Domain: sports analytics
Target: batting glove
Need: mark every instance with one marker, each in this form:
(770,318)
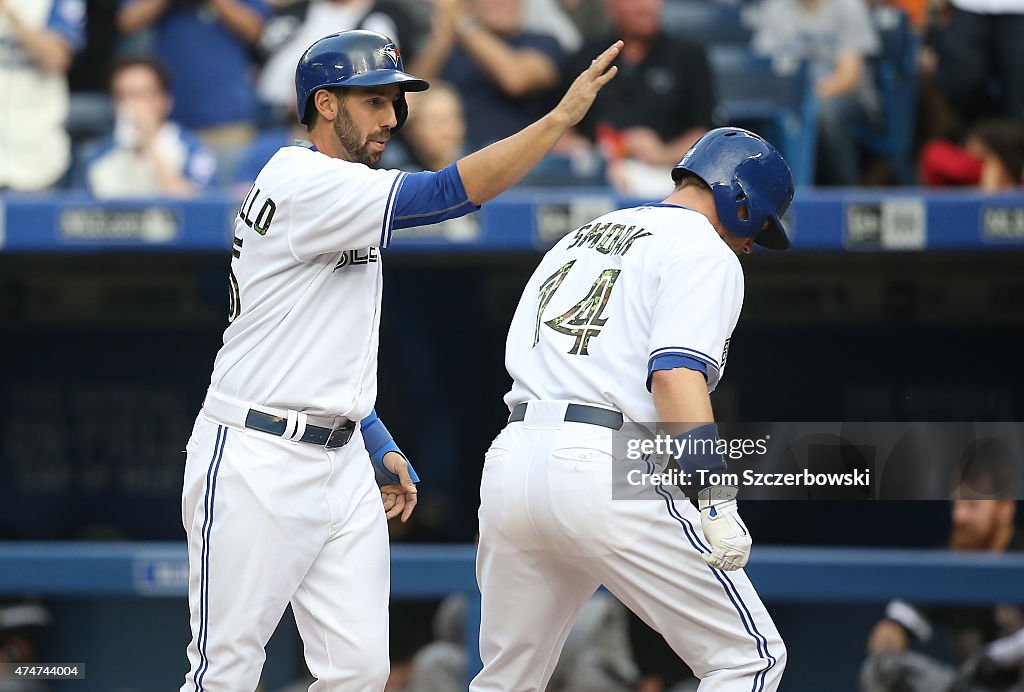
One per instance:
(723,528)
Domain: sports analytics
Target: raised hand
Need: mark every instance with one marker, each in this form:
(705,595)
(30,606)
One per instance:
(584,89)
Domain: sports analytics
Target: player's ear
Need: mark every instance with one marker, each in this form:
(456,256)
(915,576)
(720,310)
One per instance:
(326,104)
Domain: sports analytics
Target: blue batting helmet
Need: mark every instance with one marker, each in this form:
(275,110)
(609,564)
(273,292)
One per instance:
(741,168)
(352,59)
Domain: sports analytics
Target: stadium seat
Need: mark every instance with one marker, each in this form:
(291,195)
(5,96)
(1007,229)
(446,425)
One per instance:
(773,98)
(710,22)
(89,115)
(895,72)
(559,170)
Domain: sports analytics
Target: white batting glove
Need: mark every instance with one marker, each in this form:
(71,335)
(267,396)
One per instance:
(723,528)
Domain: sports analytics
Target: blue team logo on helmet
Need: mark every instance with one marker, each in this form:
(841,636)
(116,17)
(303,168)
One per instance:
(392,53)
(352,59)
(751,182)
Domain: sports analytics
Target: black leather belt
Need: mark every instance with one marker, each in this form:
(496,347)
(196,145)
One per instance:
(577,413)
(314,434)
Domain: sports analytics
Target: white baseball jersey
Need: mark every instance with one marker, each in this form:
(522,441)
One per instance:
(306,286)
(275,520)
(633,291)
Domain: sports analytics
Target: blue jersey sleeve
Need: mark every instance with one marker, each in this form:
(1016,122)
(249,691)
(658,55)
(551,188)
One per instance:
(671,361)
(67,18)
(378,442)
(426,198)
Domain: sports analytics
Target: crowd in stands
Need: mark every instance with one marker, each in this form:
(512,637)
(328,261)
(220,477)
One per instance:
(921,647)
(168,97)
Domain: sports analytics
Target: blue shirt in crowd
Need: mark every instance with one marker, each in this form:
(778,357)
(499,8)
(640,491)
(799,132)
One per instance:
(495,115)
(209,65)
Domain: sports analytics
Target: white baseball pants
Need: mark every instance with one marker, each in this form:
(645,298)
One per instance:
(550,534)
(272,522)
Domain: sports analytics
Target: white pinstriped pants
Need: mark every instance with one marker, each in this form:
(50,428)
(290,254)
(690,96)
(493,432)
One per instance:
(272,522)
(550,534)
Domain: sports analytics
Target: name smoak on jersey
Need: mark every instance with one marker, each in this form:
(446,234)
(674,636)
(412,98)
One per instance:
(607,238)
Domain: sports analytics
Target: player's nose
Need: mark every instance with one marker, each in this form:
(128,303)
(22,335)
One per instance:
(390,118)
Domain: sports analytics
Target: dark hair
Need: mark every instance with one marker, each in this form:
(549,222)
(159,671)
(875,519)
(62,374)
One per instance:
(158,70)
(312,114)
(688,179)
(1005,137)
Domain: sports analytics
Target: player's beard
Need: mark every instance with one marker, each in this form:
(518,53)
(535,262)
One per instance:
(973,536)
(357,147)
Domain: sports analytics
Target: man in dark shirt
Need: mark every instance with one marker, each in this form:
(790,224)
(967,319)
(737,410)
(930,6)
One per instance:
(664,99)
(505,76)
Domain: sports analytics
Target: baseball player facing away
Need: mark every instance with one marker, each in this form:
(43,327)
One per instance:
(279,500)
(627,320)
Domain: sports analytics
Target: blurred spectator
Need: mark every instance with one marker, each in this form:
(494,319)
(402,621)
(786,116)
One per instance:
(659,668)
(660,103)
(917,10)
(982,520)
(504,74)
(439,666)
(23,625)
(992,158)
(549,17)
(435,133)
(205,46)
(263,147)
(836,36)
(147,155)
(37,40)
(596,655)
(981,59)
(588,15)
(297,25)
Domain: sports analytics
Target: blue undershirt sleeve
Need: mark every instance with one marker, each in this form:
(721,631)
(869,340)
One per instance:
(426,198)
(378,442)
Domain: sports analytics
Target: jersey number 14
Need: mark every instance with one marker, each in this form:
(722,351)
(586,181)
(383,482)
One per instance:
(583,320)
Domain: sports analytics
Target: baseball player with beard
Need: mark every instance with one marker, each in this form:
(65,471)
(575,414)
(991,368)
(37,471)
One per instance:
(279,500)
(627,322)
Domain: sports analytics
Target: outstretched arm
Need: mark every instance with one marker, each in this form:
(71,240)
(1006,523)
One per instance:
(492,170)
(431,197)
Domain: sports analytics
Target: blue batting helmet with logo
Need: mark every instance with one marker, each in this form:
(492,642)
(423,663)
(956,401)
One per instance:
(744,172)
(352,59)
